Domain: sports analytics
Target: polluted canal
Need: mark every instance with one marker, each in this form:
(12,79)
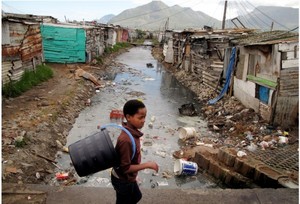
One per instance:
(141,77)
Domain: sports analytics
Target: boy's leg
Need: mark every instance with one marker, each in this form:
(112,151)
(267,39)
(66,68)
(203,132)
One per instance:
(127,193)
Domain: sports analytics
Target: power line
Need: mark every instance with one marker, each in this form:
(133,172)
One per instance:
(213,14)
(13,9)
(243,13)
(252,20)
(268,16)
(254,17)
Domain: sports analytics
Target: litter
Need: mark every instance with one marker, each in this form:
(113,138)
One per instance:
(283,140)
(62,176)
(147,143)
(161,153)
(252,147)
(116,114)
(264,145)
(162,183)
(167,174)
(203,144)
(241,154)
(102,180)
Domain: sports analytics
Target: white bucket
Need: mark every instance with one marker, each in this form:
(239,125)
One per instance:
(182,167)
(186,132)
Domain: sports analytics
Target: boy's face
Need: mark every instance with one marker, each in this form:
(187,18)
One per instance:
(138,119)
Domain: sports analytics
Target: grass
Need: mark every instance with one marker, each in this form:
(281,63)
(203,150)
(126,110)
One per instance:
(116,47)
(27,81)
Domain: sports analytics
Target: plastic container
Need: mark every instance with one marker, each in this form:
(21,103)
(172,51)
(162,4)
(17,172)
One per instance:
(96,152)
(186,132)
(116,114)
(182,167)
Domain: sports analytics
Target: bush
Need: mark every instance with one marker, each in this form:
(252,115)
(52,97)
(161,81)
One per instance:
(116,47)
(27,81)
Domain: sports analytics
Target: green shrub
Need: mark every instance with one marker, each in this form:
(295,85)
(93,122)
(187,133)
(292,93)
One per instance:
(116,47)
(27,81)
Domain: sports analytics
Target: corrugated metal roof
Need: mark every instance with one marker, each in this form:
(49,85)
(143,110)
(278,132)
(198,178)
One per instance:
(68,25)
(267,38)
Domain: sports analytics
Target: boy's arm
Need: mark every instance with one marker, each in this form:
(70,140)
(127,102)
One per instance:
(142,166)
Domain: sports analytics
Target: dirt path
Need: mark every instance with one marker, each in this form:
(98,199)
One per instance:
(43,116)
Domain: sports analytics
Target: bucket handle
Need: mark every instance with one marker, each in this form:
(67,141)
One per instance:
(127,132)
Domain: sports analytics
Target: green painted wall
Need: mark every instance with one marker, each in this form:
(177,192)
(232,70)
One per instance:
(63,45)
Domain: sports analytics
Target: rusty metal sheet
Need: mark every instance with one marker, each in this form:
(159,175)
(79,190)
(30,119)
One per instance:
(10,50)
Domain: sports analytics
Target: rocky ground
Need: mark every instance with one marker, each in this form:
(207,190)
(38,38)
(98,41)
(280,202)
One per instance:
(35,125)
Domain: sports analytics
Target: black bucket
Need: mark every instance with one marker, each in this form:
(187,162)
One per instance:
(96,152)
(93,153)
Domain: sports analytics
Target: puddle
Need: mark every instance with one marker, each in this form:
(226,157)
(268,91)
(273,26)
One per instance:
(162,95)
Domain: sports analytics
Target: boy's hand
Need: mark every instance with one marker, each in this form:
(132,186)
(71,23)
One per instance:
(153,165)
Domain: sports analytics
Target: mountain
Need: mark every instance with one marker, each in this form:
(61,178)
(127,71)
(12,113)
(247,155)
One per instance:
(284,18)
(154,16)
(106,18)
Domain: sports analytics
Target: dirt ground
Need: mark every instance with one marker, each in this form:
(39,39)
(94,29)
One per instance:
(42,118)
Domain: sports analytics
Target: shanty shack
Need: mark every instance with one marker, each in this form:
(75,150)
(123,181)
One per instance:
(122,34)
(267,76)
(63,43)
(110,36)
(21,44)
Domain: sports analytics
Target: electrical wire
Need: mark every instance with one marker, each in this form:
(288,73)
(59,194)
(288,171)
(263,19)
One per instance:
(211,17)
(242,13)
(261,23)
(268,16)
(13,9)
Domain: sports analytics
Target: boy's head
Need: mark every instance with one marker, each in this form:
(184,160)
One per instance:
(135,113)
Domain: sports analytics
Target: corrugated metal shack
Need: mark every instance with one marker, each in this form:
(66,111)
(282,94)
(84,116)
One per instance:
(21,44)
(110,37)
(95,43)
(202,52)
(63,43)
(267,76)
(122,34)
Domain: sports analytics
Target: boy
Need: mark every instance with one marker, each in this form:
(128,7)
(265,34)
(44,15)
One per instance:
(123,178)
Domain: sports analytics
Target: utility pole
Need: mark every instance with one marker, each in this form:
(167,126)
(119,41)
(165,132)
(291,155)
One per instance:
(167,24)
(224,15)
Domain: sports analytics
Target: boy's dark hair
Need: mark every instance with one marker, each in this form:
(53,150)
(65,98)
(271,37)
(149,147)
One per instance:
(131,107)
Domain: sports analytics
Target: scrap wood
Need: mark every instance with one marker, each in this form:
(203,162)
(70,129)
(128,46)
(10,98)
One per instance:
(86,75)
(43,157)
(25,191)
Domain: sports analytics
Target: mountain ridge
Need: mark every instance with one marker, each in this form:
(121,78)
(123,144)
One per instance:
(156,14)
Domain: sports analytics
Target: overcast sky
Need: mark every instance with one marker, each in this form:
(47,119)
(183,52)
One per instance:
(95,9)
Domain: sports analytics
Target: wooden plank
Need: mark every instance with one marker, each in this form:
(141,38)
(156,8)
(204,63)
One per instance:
(291,55)
(246,64)
(290,63)
(287,110)
(209,76)
(286,47)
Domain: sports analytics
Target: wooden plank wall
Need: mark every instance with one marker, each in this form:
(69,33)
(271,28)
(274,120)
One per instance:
(287,111)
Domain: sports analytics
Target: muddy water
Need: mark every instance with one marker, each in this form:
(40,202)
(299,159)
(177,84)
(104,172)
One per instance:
(162,95)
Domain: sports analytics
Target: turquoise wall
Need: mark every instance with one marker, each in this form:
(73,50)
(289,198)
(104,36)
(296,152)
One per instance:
(63,45)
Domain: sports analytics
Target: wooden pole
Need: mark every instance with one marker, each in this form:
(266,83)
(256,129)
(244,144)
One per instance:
(224,15)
